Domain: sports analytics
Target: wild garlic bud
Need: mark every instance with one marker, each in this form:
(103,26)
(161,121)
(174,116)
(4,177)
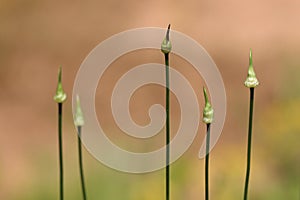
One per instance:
(78,120)
(208,112)
(251,81)
(60,95)
(166,46)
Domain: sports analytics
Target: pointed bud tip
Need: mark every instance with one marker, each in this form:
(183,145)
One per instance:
(168,32)
(250,59)
(59,74)
(205,96)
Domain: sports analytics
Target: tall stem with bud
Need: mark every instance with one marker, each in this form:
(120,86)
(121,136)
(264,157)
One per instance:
(208,114)
(79,122)
(59,98)
(166,49)
(251,82)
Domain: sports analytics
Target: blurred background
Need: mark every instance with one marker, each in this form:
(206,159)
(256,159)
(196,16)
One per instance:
(36,37)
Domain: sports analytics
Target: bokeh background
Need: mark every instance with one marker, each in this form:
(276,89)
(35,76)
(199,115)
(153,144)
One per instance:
(36,37)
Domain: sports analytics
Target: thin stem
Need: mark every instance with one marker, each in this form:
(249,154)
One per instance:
(61,175)
(249,143)
(167,128)
(80,163)
(207,162)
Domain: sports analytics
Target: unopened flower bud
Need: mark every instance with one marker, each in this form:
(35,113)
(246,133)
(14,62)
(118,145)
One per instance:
(78,120)
(60,95)
(166,46)
(251,81)
(208,112)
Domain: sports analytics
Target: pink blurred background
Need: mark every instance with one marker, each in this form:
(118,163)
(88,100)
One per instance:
(36,37)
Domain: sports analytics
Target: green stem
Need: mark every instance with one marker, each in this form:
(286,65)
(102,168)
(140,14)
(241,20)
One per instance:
(167,128)
(249,143)
(80,163)
(207,162)
(60,151)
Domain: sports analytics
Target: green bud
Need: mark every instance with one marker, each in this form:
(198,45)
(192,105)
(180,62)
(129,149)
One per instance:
(251,81)
(79,120)
(60,95)
(208,112)
(166,46)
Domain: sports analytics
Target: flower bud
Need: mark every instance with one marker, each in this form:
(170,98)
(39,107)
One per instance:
(78,120)
(208,112)
(251,81)
(60,95)
(166,46)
